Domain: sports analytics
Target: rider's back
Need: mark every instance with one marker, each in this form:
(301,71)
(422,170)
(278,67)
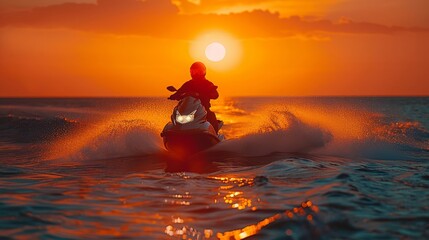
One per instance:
(205,89)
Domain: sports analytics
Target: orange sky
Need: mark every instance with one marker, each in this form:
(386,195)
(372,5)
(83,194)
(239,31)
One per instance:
(291,47)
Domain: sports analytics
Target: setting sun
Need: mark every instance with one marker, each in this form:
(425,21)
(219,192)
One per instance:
(215,52)
(223,50)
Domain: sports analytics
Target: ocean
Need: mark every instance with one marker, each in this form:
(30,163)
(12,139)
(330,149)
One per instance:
(291,168)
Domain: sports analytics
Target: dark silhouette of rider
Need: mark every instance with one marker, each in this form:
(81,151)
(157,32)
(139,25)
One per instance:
(203,88)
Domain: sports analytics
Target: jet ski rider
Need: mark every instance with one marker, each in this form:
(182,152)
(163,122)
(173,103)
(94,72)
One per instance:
(203,89)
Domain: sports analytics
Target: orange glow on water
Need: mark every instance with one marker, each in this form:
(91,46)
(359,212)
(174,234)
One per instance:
(306,210)
(249,230)
(340,123)
(236,199)
(254,229)
(140,121)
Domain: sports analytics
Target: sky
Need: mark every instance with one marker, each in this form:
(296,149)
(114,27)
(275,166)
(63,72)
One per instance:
(80,48)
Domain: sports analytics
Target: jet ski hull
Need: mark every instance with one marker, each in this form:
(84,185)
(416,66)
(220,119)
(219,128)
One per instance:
(185,143)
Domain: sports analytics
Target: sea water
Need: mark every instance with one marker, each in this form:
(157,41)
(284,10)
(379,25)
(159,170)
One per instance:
(291,168)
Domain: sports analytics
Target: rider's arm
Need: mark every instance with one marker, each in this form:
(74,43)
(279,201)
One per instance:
(178,93)
(213,93)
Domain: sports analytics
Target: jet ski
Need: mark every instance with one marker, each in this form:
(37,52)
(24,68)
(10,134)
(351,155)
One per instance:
(189,132)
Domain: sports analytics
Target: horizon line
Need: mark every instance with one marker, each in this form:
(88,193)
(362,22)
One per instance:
(240,96)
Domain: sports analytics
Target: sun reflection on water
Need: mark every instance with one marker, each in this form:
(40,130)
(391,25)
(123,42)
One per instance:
(232,193)
(307,209)
(236,199)
(188,233)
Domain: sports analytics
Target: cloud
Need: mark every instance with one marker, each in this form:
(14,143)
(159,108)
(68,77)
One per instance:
(392,12)
(37,3)
(161,18)
(289,7)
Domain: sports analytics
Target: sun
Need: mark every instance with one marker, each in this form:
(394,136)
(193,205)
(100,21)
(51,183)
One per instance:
(220,51)
(215,52)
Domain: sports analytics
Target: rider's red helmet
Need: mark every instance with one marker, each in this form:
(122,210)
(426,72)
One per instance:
(198,69)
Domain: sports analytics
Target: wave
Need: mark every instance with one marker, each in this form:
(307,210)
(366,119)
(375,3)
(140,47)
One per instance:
(296,137)
(340,133)
(20,129)
(284,133)
(109,140)
(387,141)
